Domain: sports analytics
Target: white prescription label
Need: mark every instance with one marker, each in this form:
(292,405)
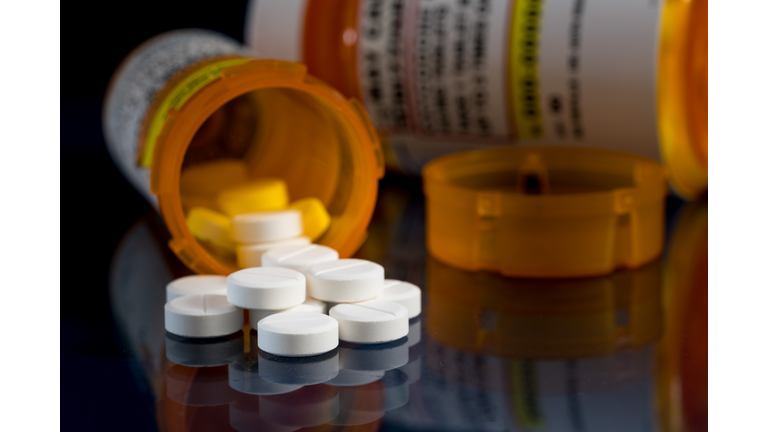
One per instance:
(439,76)
(141,75)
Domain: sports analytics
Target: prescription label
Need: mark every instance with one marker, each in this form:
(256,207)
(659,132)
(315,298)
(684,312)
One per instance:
(177,97)
(135,85)
(440,76)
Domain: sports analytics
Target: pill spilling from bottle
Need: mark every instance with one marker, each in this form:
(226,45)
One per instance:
(301,298)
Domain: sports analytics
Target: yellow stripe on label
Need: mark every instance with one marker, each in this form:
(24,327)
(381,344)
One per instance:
(524,68)
(177,98)
(525,398)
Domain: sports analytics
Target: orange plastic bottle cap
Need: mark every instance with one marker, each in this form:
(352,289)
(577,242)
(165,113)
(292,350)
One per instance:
(545,211)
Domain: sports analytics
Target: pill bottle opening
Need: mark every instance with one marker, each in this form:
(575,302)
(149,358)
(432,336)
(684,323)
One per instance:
(303,133)
(533,175)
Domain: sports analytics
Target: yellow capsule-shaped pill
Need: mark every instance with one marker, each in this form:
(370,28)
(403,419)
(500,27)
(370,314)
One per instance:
(209,178)
(314,216)
(211,227)
(254,196)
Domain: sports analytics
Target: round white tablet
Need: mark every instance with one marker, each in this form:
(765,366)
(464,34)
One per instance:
(266,226)
(345,280)
(196,284)
(249,254)
(270,288)
(404,293)
(309,305)
(373,321)
(202,315)
(298,257)
(297,334)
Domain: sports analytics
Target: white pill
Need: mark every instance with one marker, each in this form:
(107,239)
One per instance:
(298,257)
(374,321)
(404,293)
(345,280)
(270,288)
(267,226)
(249,254)
(297,334)
(202,315)
(196,284)
(309,305)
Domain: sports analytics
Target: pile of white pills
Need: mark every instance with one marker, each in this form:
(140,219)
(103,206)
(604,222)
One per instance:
(289,295)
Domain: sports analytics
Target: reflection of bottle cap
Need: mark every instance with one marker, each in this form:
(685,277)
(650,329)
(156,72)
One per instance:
(544,211)
(203,352)
(244,377)
(487,313)
(373,357)
(207,386)
(308,406)
(298,370)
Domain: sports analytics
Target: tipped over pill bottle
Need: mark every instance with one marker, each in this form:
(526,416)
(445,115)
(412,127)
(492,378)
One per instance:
(194,109)
(440,76)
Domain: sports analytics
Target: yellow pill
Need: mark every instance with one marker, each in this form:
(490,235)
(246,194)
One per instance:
(212,227)
(188,202)
(314,216)
(254,196)
(208,178)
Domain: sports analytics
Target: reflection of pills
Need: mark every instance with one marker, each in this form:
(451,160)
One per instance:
(414,332)
(244,377)
(271,288)
(299,370)
(345,280)
(373,321)
(266,226)
(296,334)
(309,305)
(404,293)
(199,316)
(373,357)
(350,378)
(298,257)
(249,254)
(397,393)
(196,284)
(203,351)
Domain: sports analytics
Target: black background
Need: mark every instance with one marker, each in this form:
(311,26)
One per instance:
(98,389)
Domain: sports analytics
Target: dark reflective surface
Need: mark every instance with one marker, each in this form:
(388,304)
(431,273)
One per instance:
(623,352)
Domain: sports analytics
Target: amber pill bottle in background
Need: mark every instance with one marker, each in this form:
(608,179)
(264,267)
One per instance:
(443,76)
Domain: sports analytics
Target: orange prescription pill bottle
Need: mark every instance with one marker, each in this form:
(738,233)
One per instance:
(442,76)
(188,97)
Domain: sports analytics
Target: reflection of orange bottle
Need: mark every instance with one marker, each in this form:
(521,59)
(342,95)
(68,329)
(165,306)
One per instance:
(490,314)
(683,351)
(441,76)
